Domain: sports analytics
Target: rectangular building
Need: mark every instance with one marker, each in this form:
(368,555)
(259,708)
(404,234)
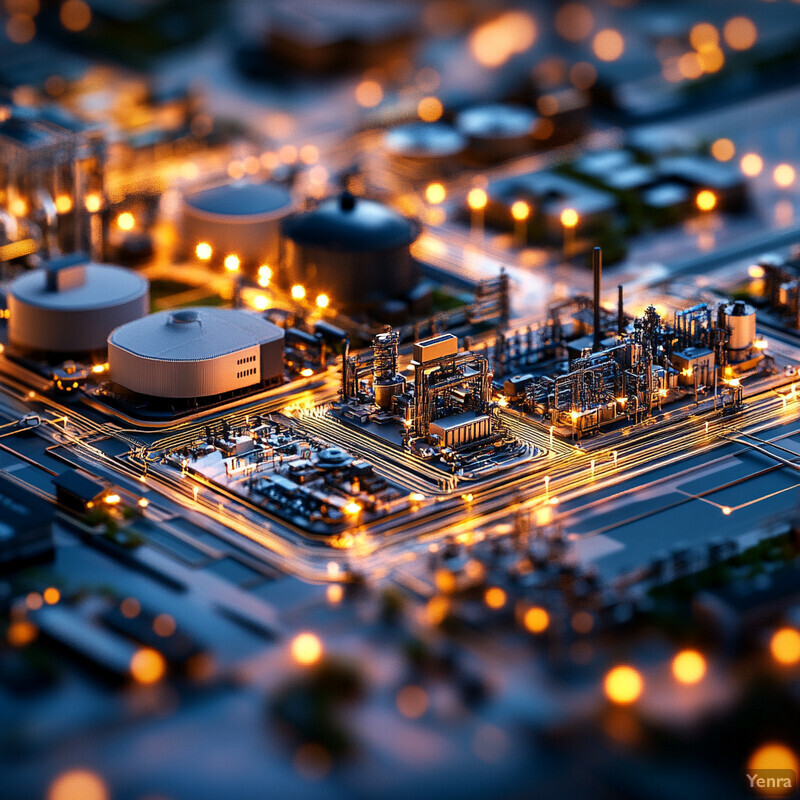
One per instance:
(461,429)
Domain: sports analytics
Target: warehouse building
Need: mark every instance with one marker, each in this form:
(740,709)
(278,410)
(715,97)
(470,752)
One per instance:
(196,353)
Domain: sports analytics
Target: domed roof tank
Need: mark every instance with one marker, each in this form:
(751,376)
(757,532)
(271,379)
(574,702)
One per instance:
(354,250)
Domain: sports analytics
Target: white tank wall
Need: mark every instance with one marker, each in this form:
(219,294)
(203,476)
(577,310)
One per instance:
(183,379)
(69,330)
(254,239)
(743,331)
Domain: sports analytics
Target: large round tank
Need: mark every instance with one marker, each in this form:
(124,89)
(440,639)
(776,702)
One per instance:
(497,131)
(195,352)
(72,306)
(740,319)
(354,250)
(424,143)
(239,218)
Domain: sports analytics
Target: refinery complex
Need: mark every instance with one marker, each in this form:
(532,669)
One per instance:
(399,399)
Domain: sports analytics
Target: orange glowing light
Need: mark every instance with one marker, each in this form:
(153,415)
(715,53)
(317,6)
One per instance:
(203,251)
(520,210)
(306,649)
(623,685)
(21,633)
(20,28)
(309,154)
(704,36)
(147,666)
(352,508)
(51,595)
(727,510)
(740,33)
(756,271)
(583,75)
(574,21)
(429,109)
(126,221)
(689,667)
(494,42)
(536,619)
(288,154)
(112,499)
(706,200)
(75,15)
(435,193)
(260,302)
(307,372)
(298,292)
(63,204)
(236,169)
(784,175)
(437,610)
(334,593)
(569,218)
(232,262)
(251,165)
(711,60)
(93,203)
(130,608)
(751,164)
(547,105)
(690,66)
(477,199)
(412,701)
(723,149)
(773,755)
(785,646)
(369,94)
(164,625)
(78,784)
(322,301)
(264,275)
(608,44)
(19,208)
(269,159)
(495,597)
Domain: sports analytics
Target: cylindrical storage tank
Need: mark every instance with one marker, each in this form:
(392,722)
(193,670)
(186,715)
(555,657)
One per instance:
(387,389)
(424,144)
(195,352)
(740,319)
(71,308)
(497,131)
(356,251)
(239,218)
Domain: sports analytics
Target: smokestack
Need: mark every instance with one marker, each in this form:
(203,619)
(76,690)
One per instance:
(597,270)
(620,313)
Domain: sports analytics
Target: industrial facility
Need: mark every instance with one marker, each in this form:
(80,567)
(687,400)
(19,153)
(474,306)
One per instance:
(446,412)
(634,371)
(53,166)
(240,219)
(196,353)
(70,306)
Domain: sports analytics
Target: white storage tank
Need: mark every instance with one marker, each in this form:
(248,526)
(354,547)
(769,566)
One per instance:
(240,218)
(740,319)
(196,352)
(71,305)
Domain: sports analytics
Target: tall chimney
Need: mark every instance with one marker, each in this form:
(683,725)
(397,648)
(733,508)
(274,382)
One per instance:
(620,313)
(597,270)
